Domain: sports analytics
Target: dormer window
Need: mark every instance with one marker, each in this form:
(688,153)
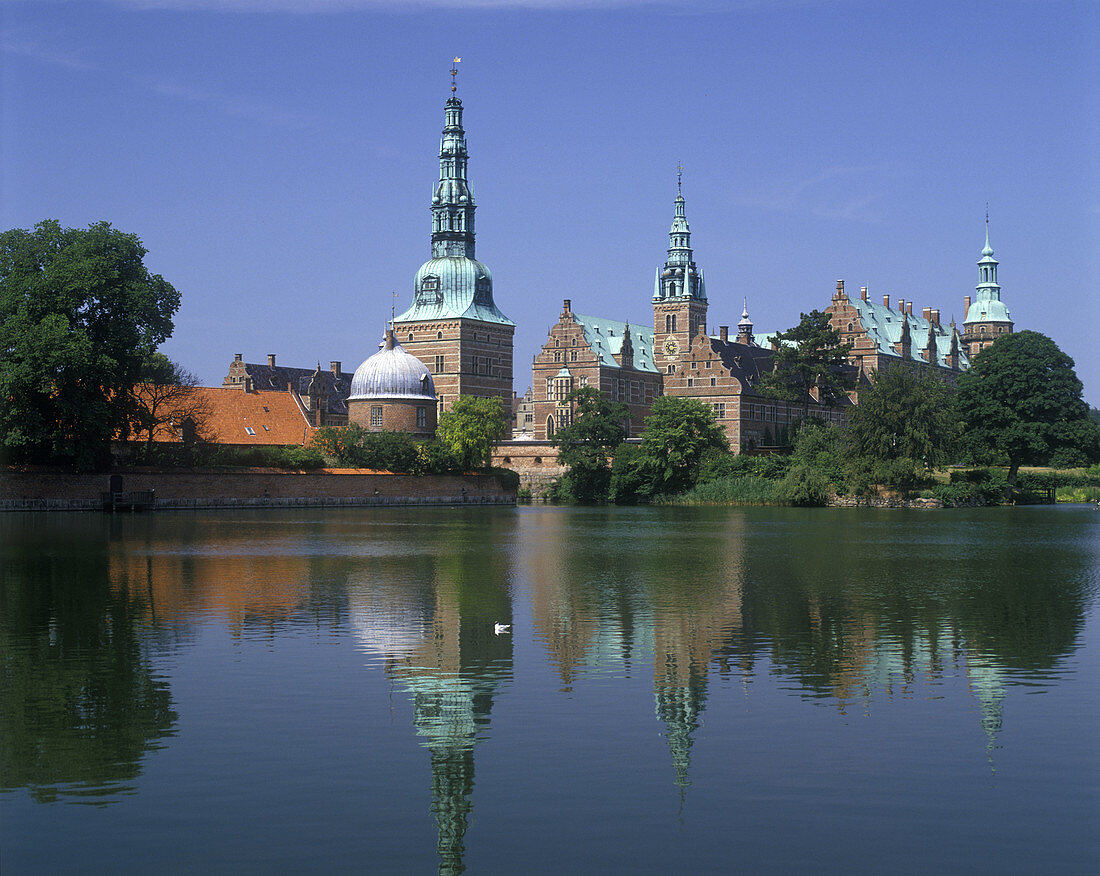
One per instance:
(430,291)
(482,291)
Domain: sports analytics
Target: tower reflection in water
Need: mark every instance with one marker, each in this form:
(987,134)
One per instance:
(432,623)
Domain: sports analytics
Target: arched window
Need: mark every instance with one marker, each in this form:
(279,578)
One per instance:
(439,336)
(549,427)
(557,343)
(410,336)
(850,327)
(574,342)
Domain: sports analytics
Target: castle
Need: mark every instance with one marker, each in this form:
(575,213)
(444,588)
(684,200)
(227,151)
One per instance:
(465,342)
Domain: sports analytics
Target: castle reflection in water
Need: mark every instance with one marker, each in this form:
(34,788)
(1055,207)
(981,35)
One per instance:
(721,594)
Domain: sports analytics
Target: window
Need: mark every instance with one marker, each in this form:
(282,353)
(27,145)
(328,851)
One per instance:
(376,416)
(266,429)
(694,365)
(439,336)
(549,431)
(425,382)
(266,410)
(714,381)
(691,381)
(572,355)
(557,356)
(584,380)
(557,343)
(719,410)
(421,418)
(439,360)
(674,322)
(250,430)
(671,369)
(410,336)
(574,342)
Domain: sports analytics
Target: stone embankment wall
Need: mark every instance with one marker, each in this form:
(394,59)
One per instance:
(536,463)
(51,489)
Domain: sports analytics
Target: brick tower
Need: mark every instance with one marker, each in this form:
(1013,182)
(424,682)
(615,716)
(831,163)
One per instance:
(679,295)
(453,325)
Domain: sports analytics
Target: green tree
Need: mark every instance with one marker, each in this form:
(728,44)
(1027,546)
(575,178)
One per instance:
(1021,400)
(809,355)
(80,315)
(471,427)
(587,444)
(677,433)
(902,415)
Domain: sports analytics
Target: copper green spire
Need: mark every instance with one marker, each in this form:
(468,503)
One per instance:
(453,202)
(680,277)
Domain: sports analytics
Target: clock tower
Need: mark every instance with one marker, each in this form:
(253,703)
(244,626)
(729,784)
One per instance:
(679,296)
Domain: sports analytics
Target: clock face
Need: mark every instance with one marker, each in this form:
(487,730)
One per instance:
(672,347)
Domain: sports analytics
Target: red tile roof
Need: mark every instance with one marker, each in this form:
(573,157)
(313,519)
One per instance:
(239,417)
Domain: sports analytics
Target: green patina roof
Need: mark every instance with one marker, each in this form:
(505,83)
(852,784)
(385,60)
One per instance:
(605,338)
(989,310)
(884,327)
(450,287)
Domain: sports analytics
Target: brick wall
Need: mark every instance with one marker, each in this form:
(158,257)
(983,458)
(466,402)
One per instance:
(536,463)
(51,489)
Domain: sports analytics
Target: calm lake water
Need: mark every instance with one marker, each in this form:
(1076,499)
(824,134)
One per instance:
(683,690)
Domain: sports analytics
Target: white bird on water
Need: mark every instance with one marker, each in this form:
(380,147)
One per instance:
(501,629)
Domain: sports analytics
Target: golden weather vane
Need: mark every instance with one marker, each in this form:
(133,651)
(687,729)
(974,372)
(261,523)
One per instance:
(454,73)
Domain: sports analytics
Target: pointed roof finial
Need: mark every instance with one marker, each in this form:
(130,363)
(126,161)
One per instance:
(679,176)
(454,73)
(393,310)
(987,250)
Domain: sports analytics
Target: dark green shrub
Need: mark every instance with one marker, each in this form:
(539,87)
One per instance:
(803,487)
(629,476)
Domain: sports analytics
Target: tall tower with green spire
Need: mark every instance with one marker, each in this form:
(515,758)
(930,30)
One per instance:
(454,326)
(986,318)
(679,293)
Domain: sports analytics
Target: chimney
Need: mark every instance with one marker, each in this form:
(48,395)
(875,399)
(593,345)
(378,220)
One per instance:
(839,288)
(724,333)
(936,317)
(335,366)
(247,383)
(270,360)
(909,307)
(566,306)
(927,313)
(863,292)
(901,305)
(966,307)
(237,357)
(885,300)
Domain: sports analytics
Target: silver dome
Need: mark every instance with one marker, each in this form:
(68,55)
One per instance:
(392,373)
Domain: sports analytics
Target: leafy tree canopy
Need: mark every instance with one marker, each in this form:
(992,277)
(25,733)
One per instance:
(1021,399)
(587,443)
(471,427)
(904,415)
(677,432)
(809,354)
(80,315)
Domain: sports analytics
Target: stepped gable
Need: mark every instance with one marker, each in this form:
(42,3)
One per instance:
(605,339)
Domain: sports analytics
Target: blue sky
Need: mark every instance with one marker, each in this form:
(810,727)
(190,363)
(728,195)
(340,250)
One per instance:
(277,157)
